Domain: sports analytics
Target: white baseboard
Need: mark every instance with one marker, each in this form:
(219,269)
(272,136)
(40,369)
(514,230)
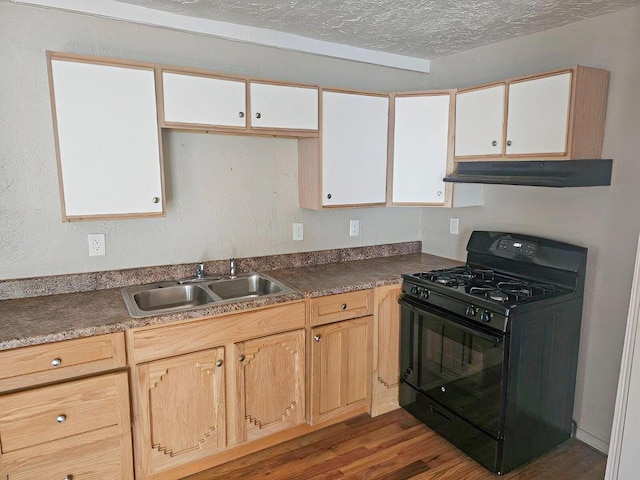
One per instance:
(592,441)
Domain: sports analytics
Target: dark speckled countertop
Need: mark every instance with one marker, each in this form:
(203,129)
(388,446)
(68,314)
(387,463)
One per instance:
(50,318)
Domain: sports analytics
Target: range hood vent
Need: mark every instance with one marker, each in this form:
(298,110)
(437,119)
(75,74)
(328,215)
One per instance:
(547,173)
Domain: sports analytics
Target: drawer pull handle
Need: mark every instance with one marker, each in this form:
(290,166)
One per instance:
(61,418)
(68,477)
(56,362)
(317,338)
(344,306)
(241,358)
(219,363)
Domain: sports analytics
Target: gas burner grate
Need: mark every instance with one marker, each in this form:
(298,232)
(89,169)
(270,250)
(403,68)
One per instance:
(487,283)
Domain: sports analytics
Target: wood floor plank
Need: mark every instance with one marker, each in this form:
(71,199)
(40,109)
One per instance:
(394,446)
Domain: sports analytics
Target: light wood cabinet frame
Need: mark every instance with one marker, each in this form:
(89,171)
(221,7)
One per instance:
(102,61)
(310,160)
(248,129)
(586,115)
(386,350)
(447,200)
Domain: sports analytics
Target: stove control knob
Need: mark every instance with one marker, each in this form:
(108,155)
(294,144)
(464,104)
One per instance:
(424,294)
(486,316)
(414,290)
(472,311)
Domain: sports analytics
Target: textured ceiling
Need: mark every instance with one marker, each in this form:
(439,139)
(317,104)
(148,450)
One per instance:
(423,29)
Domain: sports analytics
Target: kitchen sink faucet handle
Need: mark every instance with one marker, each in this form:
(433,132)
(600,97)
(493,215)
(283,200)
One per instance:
(200,270)
(233,268)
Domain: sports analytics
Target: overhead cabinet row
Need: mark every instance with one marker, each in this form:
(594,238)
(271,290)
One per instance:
(355,148)
(558,115)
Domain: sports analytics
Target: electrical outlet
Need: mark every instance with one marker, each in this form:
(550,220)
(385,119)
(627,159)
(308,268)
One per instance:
(354,228)
(97,245)
(454,225)
(298,231)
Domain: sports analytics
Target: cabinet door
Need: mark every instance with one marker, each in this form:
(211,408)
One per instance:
(181,410)
(420,148)
(538,115)
(341,358)
(270,384)
(387,352)
(203,100)
(282,106)
(107,139)
(480,122)
(354,148)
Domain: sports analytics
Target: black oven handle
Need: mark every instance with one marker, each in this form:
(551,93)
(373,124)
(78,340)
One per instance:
(425,309)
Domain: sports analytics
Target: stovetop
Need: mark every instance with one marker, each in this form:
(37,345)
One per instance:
(490,285)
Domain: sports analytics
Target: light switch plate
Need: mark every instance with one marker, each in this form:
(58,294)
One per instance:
(454,226)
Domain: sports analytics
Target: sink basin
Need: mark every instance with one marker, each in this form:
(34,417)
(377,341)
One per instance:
(253,285)
(177,296)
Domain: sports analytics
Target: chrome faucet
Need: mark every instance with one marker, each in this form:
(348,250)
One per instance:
(200,270)
(232,268)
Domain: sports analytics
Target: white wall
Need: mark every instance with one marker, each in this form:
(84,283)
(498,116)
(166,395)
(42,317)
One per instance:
(227,196)
(604,219)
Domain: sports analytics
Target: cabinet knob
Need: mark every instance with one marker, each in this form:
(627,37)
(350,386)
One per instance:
(219,363)
(241,358)
(508,143)
(258,115)
(317,338)
(56,362)
(61,418)
(241,114)
(343,306)
(494,143)
(155,199)
(328,195)
(439,193)
(68,477)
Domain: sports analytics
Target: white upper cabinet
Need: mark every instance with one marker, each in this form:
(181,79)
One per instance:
(480,121)
(554,115)
(538,115)
(203,100)
(283,106)
(107,139)
(354,148)
(420,148)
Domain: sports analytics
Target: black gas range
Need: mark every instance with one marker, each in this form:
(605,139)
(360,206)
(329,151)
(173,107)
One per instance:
(489,349)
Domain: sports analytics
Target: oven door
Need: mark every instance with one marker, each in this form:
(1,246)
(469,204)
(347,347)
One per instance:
(459,366)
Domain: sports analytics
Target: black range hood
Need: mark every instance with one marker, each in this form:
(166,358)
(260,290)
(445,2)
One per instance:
(538,173)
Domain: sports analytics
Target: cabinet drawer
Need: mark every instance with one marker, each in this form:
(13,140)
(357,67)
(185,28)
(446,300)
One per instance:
(50,413)
(91,461)
(333,308)
(29,366)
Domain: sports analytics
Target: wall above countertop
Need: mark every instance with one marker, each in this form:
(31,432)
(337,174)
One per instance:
(229,195)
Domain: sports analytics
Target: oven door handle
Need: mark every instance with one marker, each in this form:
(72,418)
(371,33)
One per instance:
(421,309)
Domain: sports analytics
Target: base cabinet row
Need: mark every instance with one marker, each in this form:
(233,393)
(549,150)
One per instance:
(264,375)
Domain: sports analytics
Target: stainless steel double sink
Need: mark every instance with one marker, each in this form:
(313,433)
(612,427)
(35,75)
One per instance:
(181,295)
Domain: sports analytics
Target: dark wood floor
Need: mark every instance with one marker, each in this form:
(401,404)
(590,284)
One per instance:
(395,446)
